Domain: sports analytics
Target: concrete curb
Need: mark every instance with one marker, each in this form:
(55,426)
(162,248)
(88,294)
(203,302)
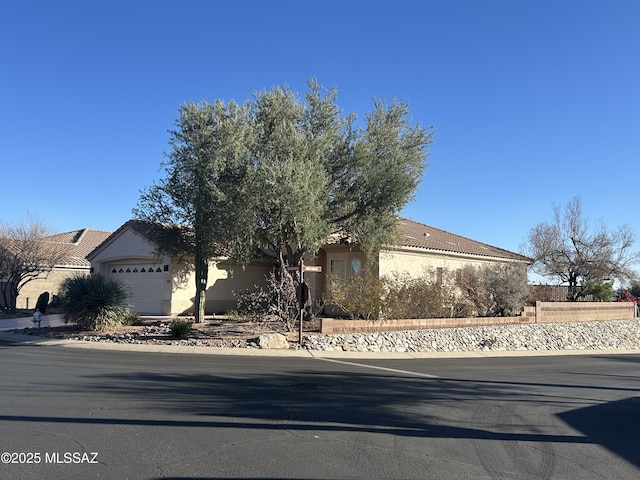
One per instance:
(256,352)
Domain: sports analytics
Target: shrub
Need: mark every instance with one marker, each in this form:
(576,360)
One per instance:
(401,296)
(42,303)
(277,300)
(494,290)
(94,302)
(420,298)
(359,297)
(180,328)
(133,319)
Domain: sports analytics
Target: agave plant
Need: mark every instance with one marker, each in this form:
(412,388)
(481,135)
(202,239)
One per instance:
(94,302)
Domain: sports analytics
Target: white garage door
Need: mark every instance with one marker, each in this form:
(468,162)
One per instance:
(145,284)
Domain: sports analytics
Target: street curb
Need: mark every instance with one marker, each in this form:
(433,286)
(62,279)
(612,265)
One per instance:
(257,352)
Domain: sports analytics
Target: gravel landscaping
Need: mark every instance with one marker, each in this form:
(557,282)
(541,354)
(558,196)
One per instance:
(621,334)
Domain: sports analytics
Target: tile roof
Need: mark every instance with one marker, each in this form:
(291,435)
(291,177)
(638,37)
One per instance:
(419,235)
(411,234)
(76,245)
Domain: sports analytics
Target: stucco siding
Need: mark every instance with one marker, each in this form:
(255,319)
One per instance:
(128,245)
(419,263)
(223,281)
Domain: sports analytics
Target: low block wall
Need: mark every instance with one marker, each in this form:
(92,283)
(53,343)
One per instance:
(555,312)
(543,312)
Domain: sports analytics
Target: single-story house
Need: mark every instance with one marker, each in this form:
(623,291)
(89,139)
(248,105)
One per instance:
(74,247)
(161,285)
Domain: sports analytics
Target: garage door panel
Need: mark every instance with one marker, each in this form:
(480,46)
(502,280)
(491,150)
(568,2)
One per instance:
(144,281)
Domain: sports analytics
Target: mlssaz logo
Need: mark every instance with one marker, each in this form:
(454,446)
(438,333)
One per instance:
(71,457)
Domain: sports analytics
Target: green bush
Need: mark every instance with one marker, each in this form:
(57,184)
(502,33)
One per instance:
(133,319)
(401,296)
(361,296)
(493,290)
(421,297)
(180,328)
(94,302)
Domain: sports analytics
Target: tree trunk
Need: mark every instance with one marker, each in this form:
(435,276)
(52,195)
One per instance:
(202,276)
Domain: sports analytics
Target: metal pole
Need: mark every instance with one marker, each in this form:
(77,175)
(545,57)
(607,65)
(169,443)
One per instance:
(301,302)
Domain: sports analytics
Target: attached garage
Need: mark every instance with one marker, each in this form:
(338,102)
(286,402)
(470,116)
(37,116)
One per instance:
(160,285)
(145,282)
(128,256)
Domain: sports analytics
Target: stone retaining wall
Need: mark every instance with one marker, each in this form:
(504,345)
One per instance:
(543,312)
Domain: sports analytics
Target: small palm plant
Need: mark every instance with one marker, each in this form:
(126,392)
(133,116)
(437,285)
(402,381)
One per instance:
(94,302)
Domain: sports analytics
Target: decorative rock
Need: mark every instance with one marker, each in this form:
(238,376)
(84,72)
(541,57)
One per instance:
(273,340)
(621,334)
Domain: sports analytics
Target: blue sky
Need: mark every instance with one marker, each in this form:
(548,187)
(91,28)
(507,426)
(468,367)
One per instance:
(532,102)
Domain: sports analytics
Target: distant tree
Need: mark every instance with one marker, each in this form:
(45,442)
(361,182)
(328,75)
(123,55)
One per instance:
(573,253)
(278,175)
(25,255)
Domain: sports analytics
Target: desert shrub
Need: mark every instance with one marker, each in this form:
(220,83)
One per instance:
(508,287)
(278,299)
(43,302)
(421,297)
(253,305)
(399,296)
(133,319)
(598,290)
(180,328)
(494,290)
(94,302)
(361,296)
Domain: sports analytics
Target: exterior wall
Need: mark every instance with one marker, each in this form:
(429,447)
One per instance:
(552,312)
(417,263)
(31,291)
(176,297)
(223,281)
(543,312)
(128,246)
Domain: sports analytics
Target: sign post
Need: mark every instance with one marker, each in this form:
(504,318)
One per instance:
(303,292)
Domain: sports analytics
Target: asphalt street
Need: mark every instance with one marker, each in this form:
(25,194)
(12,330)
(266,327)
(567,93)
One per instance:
(81,414)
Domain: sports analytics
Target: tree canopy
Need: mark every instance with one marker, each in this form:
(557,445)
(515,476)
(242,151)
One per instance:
(572,252)
(277,175)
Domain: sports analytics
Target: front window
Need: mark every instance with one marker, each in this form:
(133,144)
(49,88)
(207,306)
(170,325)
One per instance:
(356,267)
(339,269)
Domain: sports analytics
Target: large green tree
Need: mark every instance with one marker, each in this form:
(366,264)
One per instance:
(201,196)
(278,175)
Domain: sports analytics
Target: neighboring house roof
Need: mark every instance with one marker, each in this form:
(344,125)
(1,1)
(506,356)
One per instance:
(419,235)
(76,245)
